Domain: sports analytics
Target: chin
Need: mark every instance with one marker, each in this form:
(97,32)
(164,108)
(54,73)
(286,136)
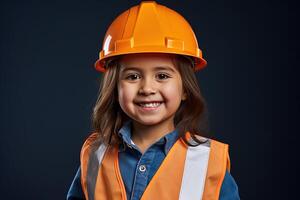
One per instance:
(148,122)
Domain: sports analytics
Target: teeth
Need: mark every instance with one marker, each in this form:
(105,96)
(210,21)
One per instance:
(150,105)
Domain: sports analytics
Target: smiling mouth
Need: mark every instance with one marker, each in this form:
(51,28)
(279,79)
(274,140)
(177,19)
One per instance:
(154,104)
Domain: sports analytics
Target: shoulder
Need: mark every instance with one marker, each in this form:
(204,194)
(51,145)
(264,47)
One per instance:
(209,142)
(89,144)
(202,139)
(219,152)
(91,139)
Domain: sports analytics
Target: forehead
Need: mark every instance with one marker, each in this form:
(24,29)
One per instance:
(144,61)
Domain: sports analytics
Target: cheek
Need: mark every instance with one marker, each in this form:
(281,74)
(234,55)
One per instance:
(173,92)
(125,94)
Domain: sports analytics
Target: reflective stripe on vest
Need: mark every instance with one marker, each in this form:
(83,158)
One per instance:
(192,173)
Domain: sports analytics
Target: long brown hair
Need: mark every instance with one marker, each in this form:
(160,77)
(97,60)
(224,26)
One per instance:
(108,117)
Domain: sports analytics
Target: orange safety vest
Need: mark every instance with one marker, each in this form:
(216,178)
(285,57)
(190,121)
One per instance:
(186,173)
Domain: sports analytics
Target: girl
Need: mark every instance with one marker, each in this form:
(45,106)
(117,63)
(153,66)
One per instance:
(148,120)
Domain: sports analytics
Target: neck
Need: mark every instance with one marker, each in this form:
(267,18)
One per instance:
(145,135)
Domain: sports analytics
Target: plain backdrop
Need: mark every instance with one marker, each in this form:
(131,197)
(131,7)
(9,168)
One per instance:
(48,87)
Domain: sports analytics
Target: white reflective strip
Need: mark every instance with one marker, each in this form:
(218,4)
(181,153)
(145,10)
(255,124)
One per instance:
(100,152)
(95,160)
(194,174)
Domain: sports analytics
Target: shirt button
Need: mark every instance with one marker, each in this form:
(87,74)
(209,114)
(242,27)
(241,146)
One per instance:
(142,168)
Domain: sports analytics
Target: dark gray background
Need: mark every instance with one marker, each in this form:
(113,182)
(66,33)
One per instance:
(49,86)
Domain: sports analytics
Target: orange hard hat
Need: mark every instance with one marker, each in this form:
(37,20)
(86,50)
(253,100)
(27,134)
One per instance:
(150,28)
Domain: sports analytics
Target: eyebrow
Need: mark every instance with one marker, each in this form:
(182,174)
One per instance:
(129,68)
(155,69)
(164,68)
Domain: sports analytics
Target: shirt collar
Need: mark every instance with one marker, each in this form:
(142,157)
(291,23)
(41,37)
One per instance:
(166,141)
(170,139)
(125,135)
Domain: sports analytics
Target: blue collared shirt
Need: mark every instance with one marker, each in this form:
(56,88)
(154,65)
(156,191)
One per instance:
(137,169)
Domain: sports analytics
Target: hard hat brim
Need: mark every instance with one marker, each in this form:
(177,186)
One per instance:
(199,63)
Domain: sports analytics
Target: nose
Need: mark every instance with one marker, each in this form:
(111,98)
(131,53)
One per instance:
(147,87)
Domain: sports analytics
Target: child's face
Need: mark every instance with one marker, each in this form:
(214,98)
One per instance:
(150,88)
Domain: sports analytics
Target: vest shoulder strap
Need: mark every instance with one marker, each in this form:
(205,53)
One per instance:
(218,163)
(85,163)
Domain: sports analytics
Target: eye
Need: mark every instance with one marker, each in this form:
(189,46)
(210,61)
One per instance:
(162,76)
(132,77)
